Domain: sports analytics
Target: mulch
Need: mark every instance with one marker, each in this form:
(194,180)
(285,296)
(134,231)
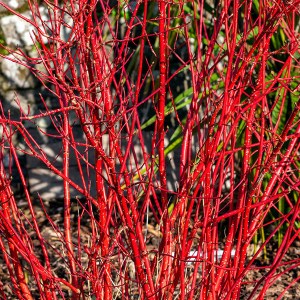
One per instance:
(53,233)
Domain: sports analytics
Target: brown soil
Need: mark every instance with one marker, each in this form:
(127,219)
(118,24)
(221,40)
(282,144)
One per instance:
(51,235)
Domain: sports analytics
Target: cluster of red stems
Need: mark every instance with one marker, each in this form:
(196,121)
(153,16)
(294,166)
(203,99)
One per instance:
(229,179)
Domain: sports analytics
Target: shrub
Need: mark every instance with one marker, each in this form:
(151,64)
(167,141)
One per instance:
(214,81)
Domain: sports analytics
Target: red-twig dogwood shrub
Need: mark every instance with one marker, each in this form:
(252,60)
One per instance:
(216,82)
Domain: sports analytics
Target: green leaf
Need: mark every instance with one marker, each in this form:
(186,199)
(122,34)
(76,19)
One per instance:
(280,110)
(180,101)
(175,140)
